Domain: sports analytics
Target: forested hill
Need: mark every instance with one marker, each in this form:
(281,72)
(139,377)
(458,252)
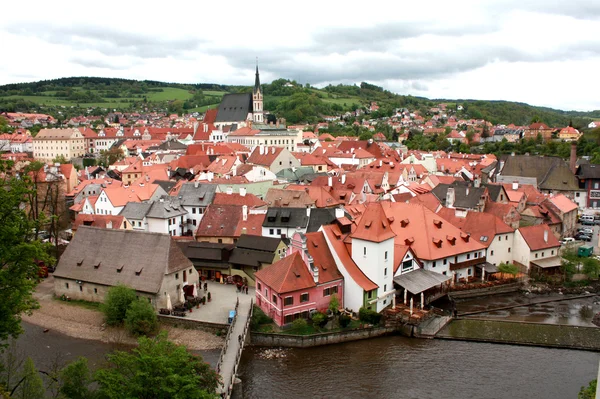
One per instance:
(296,102)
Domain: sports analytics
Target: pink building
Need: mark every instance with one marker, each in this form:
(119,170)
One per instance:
(303,281)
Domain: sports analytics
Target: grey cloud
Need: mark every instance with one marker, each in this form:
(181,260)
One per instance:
(109,41)
(580,9)
(98,63)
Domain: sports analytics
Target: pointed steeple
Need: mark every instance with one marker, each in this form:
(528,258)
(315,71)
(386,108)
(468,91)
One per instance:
(256,79)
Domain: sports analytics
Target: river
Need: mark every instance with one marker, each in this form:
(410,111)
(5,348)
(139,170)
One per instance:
(389,367)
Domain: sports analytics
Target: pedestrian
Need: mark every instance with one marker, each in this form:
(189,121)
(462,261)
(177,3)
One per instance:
(246,290)
(205,286)
(240,339)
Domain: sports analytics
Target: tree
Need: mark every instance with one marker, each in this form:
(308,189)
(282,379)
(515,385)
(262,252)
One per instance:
(141,318)
(75,380)
(334,304)
(60,159)
(591,267)
(108,157)
(588,392)
(31,384)
(117,302)
(19,253)
(159,369)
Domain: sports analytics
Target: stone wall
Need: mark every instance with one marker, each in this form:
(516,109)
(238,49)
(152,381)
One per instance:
(522,333)
(497,289)
(306,341)
(191,324)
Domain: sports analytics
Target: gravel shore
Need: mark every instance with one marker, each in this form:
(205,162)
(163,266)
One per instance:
(79,322)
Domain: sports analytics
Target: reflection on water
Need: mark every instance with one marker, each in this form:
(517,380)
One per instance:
(399,367)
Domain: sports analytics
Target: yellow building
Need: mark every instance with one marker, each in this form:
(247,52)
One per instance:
(48,144)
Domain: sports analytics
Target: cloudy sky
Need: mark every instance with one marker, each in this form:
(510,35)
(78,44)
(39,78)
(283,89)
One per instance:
(543,52)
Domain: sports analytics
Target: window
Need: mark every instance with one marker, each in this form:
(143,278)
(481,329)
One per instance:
(334,290)
(499,238)
(95,290)
(194,210)
(492,252)
(433,263)
(552,252)
(67,285)
(385,255)
(274,299)
(304,298)
(445,261)
(259,286)
(365,251)
(385,271)
(509,249)
(469,271)
(194,222)
(80,288)
(468,256)
(326,292)
(370,294)
(278,231)
(220,241)
(476,254)
(287,301)
(288,318)
(506,237)
(536,255)
(542,254)
(385,288)
(176,276)
(271,232)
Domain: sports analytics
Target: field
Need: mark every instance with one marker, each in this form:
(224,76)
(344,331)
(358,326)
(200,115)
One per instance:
(169,93)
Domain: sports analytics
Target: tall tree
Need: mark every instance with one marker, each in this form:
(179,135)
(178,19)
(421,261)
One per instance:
(157,369)
(19,252)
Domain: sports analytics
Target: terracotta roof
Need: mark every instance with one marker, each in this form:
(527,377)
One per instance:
(482,226)
(266,158)
(322,257)
(287,275)
(428,200)
(250,200)
(373,225)
(102,221)
(336,239)
(564,204)
(534,236)
(227,221)
(277,197)
(321,196)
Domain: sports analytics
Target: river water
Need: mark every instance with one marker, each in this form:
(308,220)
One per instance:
(388,367)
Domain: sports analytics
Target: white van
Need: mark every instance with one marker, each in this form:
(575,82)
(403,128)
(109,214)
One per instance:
(586,219)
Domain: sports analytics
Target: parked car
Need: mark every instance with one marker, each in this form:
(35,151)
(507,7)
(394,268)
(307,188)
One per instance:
(587,220)
(567,240)
(583,237)
(585,230)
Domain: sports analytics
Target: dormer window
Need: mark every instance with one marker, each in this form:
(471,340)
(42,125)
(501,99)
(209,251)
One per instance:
(437,242)
(437,223)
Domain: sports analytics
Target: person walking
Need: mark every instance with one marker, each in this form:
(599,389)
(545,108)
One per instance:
(205,286)
(246,290)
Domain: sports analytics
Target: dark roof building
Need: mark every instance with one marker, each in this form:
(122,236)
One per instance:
(234,107)
(547,173)
(287,217)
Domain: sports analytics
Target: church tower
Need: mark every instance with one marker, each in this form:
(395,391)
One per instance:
(257,100)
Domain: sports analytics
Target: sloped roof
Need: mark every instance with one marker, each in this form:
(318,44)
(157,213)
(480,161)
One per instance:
(481,226)
(250,200)
(190,195)
(97,221)
(135,210)
(266,158)
(234,107)
(286,217)
(534,236)
(288,198)
(464,197)
(563,203)
(551,173)
(420,280)
(259,243)
(287,275)
(95,256)
(588,171)
(323,259)
(373,225)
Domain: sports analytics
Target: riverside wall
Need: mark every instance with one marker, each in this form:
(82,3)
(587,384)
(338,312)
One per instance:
(494,290)
(192,324)
(523,333)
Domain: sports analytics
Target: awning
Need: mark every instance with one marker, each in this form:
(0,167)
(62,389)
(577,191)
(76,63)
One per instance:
(420,280)
(554,261)
(489,267)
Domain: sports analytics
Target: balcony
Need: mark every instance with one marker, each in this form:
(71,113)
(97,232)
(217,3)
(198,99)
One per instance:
(467,263)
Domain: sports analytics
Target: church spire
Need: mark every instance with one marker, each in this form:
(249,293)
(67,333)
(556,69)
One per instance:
(256,79)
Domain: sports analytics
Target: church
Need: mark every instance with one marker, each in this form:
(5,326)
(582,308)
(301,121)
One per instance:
(240,108)
(241,118)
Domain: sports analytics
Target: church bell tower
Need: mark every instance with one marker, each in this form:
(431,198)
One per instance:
(257,100)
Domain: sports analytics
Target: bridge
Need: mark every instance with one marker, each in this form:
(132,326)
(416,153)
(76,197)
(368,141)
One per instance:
(231,353)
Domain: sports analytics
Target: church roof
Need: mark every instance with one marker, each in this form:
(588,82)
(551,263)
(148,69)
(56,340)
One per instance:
(234,107)
(256,81)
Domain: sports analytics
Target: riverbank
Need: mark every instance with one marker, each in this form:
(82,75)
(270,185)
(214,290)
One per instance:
(79,322)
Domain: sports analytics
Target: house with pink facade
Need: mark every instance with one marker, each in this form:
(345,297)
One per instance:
(303,281)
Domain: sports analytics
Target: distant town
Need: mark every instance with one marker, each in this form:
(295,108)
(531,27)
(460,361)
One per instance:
(303,220)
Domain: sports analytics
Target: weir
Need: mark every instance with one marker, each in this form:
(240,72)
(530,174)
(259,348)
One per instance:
(231,353)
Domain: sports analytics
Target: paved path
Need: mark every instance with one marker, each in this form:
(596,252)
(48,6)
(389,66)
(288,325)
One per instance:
(234,346)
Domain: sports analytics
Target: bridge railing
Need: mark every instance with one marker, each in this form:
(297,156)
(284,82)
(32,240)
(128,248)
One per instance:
(228,337)
(238,355)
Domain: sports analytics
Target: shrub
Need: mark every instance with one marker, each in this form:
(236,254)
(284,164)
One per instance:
(334,304)
(258,318)
(319,319)
(116,303)
(508,268)
(345,320)
(141,318)
(369,316)
(299,325)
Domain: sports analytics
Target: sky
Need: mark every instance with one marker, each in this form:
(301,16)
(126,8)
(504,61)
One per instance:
(542,52)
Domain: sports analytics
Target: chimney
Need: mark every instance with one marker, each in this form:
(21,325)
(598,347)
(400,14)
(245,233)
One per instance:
(545,236)
(515,186)
(196,183)
(307,212)
(339,213)
(344,178)
(109,224)
(273,150)
(467,191)
(450,197)
(573,158)
(277,123)
(260,149)
(243,191)
(245,213)
(229,190)
(329,181)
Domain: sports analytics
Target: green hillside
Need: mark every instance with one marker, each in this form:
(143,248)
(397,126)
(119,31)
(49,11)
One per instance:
(297,103)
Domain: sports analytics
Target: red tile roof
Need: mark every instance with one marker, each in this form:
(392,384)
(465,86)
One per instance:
(249,200)
(266,158)
(373,225)
(287,275)
(564,204)
(478,224)
(322,257)
(534,237)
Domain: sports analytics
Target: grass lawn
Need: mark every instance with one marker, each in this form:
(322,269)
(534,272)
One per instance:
(169,93)
(203,108)
(214,93)
(82,304)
